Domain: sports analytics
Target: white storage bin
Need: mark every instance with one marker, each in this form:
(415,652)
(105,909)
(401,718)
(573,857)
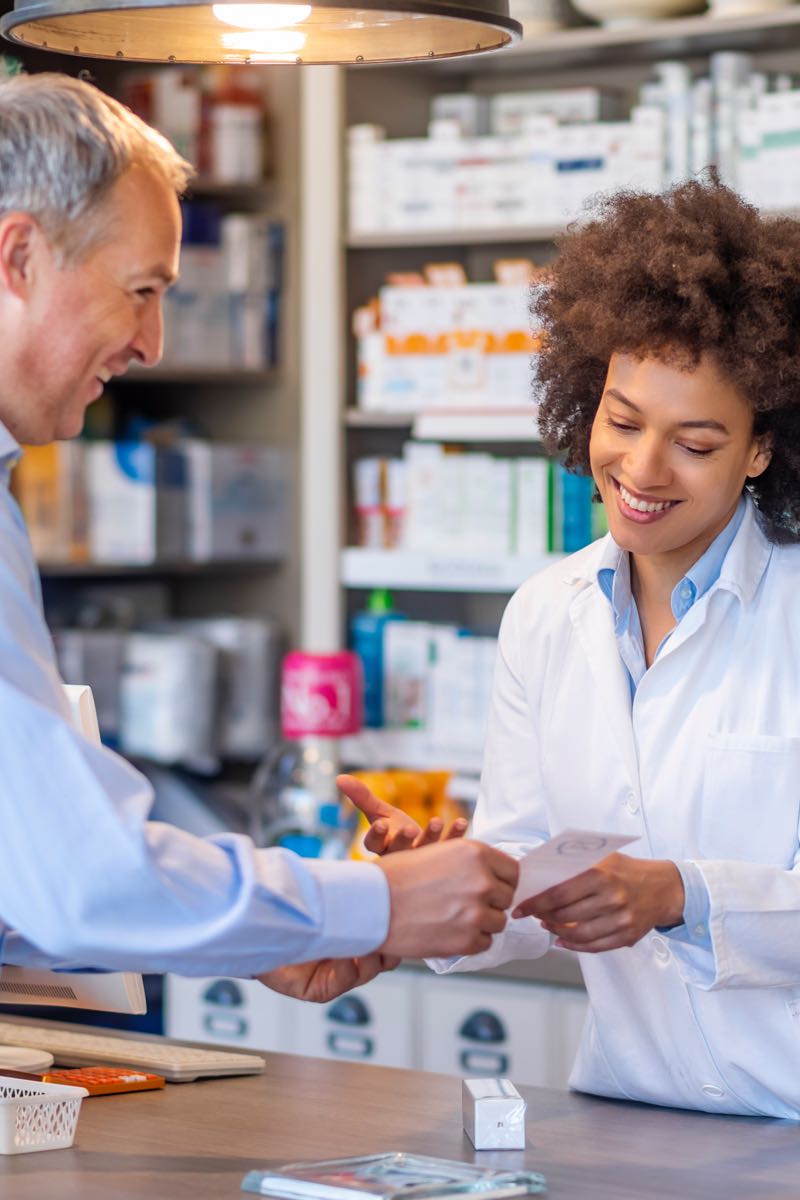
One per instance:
(233,1012)
(37,1116)
(484,1026)
(371,1024)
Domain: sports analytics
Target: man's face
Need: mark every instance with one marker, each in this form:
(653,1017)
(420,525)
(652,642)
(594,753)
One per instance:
(84,322)
(670,452)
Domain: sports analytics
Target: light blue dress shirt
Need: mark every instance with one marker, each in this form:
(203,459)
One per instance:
(87,880)
(614,579)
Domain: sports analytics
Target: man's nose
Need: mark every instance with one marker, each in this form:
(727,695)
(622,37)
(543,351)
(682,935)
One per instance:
(148,345)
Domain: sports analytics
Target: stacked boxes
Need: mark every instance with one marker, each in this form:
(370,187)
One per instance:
(460,346)
(224,311)
(140,503)
(485,506)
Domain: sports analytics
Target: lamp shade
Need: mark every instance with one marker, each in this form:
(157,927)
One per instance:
(327,31)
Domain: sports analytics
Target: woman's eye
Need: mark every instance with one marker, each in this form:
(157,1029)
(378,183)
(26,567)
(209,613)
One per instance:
(621,425)
(697,453)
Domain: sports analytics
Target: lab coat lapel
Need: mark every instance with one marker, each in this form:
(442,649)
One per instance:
(592,619)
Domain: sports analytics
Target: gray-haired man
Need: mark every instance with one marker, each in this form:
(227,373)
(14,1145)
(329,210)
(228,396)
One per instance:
(89,242)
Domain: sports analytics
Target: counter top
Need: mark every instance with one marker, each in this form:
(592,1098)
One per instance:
(197,1141)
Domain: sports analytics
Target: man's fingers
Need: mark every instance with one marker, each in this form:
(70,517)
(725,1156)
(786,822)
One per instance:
(494,920)
(376,837)
(360,795)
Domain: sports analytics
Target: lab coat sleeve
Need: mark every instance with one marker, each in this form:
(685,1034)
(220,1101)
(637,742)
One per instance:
(510,811)
(753,923)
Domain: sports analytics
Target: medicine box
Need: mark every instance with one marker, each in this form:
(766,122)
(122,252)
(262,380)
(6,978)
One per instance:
(137,502)
(238,500)
(493,1114)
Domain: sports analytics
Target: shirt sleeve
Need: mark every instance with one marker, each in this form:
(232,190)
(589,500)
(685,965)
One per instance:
(87,880)
(694,929)
(510,810)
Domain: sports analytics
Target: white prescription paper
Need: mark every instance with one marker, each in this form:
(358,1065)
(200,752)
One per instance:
(563,857)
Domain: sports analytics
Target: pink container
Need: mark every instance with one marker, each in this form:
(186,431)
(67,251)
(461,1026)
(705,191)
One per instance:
(321,694)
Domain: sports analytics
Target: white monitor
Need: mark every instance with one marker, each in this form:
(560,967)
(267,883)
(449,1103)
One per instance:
(112,991)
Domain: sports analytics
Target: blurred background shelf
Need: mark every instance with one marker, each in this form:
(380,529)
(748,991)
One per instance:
(194,375)
(643,42)
(454,425)
(94,570)
(418,571)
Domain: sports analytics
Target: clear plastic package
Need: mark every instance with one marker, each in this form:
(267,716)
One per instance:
(394,1176)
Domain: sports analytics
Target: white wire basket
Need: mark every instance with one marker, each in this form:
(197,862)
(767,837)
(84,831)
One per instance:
(37,1116)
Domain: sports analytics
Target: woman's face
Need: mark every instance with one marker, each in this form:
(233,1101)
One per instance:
(670,451)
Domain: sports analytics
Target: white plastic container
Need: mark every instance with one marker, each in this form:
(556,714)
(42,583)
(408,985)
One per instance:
(37,1116)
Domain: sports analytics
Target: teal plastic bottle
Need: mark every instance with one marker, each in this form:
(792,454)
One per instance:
(366,638)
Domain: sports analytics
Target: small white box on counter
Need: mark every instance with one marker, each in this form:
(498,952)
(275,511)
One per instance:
(493,1114)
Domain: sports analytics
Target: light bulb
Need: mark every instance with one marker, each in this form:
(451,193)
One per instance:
(261,16)
(265,41)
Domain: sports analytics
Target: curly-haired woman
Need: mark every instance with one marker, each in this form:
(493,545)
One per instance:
(650,684)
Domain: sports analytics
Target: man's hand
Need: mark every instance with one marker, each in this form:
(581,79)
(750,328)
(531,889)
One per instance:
(327,978)
(447,899)
(613,904)
(390,828)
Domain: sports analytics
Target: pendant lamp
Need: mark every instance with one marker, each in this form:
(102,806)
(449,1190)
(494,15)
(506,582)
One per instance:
(327,31)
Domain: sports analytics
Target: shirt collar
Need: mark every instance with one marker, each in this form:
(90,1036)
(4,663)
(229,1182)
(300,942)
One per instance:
(738,566)
(10,452)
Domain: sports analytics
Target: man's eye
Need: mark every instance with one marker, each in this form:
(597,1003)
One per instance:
(146,292)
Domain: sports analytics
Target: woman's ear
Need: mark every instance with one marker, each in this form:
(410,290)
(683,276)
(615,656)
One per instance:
(761,456)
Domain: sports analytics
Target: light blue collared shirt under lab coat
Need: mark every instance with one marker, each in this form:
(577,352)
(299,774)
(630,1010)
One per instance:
(614,578)
(86,879)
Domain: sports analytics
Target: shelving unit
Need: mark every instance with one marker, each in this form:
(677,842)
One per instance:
(398,99)
(410,570)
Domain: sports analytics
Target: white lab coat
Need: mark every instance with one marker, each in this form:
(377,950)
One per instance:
(703,766)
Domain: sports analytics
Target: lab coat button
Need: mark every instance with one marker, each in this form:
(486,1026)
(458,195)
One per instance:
(712,1090)
(631,803)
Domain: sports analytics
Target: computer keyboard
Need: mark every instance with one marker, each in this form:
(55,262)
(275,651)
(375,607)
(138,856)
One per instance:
(178,1064)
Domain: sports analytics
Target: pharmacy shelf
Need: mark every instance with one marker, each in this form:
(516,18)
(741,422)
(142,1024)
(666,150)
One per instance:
(646,41)
(96,570)
(213,376)
(245,195)
(411,750)
(417,571)
(508,235)
(487,236)
(455,424)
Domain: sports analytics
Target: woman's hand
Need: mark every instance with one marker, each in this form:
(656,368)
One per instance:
(613,904)
(390,828)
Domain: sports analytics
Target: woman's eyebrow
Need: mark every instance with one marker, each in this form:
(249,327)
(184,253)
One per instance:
(715,426)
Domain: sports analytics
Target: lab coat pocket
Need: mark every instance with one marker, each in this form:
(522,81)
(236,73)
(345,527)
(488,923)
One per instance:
(751,798)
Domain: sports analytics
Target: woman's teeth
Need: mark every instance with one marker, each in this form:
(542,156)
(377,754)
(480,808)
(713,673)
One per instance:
(643,505)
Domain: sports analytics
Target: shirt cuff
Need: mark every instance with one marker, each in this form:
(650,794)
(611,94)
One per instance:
(355,904)
(695,929)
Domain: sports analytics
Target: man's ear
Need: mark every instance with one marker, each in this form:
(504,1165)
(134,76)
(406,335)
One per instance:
(21,237)
(761,457)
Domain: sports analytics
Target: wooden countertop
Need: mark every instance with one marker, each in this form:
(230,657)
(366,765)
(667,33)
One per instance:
(197,1141)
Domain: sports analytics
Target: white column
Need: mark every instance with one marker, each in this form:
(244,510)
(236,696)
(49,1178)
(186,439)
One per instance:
(322,333)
